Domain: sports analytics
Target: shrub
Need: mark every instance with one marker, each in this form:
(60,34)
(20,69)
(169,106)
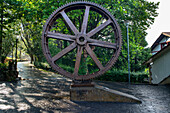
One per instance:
(67,68)
(3,66)
(114,75)
(122,76)
(42,65)
(6,72)
(46,66)
(3,58)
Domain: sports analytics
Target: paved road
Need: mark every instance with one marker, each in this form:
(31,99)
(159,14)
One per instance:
(46,92)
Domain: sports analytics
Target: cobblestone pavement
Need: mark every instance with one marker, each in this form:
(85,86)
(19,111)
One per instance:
(46,92)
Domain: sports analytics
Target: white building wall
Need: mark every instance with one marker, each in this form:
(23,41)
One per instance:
(161,68)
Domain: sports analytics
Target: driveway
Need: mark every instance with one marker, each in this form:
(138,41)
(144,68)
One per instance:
(47,92)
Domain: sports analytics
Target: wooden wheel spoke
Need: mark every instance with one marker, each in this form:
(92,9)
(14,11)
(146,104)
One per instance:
(69,22)
(99,28)
(85,20)
(78,59)
(102,43)
(94,57)
(60,36)
(63,52)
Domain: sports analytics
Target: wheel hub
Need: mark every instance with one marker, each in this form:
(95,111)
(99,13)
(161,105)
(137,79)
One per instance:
(81,40)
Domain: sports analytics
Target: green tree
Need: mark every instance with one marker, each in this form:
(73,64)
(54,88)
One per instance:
(9,15)
(141,13)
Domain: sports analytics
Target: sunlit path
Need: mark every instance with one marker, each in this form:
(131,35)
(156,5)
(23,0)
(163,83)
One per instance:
(49,92)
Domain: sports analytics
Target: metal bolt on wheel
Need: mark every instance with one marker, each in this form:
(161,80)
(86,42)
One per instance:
(81,39)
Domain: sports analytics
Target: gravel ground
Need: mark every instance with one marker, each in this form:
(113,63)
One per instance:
(46,92)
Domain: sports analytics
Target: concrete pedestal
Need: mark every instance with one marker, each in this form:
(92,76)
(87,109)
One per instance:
(100,93)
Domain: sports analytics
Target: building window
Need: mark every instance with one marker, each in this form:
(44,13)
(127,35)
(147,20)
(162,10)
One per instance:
(163,45)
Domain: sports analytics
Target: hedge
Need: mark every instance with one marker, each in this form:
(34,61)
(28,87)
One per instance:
(122,76)
(114,75)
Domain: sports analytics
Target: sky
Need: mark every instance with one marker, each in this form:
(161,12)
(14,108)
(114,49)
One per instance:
(161,23)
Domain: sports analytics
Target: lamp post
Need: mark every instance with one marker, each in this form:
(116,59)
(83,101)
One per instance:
(127,25)
(16,55)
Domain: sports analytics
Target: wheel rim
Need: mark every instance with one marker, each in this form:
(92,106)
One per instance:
(81,39)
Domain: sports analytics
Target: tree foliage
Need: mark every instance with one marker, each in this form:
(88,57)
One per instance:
(30,16)
(8,33)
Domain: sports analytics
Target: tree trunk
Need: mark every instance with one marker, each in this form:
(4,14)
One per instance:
(32,59)
(20,55)
(1,29)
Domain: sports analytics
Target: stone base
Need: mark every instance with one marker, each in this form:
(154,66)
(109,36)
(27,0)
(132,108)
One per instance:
(100,93)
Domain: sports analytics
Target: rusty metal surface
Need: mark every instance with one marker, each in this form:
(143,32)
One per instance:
(81,40)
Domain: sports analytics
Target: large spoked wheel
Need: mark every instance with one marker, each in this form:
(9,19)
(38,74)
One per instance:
(81,39)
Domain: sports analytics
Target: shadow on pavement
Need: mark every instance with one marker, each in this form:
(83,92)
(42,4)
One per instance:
(46,92)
